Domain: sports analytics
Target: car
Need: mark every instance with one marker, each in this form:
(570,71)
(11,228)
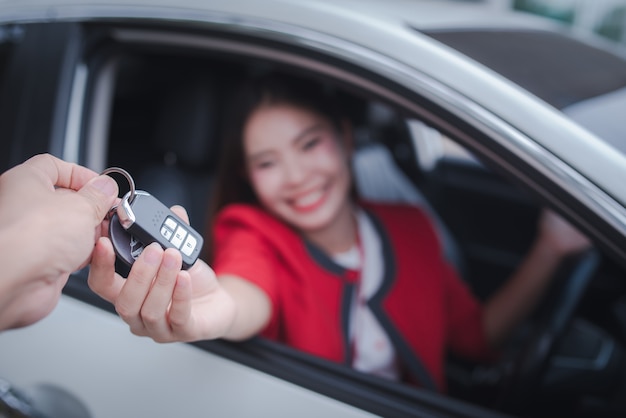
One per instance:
(481,116)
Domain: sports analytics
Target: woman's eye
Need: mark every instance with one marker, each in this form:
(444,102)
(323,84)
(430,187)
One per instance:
(264,164)
(311,143)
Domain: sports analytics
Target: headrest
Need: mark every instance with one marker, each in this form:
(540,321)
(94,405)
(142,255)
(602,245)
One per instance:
(186,132)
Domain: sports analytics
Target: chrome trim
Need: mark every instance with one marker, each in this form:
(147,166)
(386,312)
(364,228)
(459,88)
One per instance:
(71,144)
(100,115)
(131,182)
(125,212)
(504,134)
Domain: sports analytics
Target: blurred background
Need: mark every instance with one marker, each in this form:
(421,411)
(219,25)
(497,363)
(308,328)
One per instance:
(606,18)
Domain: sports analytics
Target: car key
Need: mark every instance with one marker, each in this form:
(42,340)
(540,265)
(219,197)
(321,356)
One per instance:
(141,219)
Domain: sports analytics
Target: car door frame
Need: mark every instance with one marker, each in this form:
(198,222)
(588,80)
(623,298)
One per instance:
(38,85)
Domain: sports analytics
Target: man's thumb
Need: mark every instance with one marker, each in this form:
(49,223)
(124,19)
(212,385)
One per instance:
(102,192)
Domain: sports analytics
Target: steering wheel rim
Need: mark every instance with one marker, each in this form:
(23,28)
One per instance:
(524,377)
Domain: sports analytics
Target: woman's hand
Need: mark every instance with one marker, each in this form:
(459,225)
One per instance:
(559,235)
(514,301)
(158,299)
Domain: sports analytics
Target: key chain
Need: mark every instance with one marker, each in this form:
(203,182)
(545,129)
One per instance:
(141,219)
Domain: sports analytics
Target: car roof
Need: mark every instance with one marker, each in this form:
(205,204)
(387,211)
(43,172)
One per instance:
(393,38)
(426,14)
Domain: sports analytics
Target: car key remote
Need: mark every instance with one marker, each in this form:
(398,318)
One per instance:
(141,219)
(148,220)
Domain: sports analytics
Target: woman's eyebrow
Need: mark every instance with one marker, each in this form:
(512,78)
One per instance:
(319,126)
(259,155)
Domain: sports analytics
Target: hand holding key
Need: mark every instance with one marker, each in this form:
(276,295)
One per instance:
(51,214)
(157,298)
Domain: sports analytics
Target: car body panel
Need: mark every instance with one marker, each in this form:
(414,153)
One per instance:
(117,374)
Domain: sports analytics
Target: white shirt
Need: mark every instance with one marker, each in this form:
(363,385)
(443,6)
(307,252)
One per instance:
(373,351)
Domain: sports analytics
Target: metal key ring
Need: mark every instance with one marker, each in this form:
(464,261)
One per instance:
(130,180)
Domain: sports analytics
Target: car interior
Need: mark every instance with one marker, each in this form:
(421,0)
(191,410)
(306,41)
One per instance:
(158,113)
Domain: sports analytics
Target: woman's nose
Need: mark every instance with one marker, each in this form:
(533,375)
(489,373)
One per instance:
(294,171)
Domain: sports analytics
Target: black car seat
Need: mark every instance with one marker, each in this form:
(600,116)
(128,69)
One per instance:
(186,146)
(378,176)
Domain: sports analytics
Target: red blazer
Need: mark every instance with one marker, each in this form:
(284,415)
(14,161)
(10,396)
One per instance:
(422,305)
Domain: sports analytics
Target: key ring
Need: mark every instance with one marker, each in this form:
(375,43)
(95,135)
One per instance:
(130,180)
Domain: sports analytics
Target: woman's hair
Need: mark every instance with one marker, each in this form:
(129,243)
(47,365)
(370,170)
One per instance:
(232,184)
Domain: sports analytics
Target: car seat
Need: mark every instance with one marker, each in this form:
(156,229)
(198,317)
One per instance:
(186,145)
(378,177)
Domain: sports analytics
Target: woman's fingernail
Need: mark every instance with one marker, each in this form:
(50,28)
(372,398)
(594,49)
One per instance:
(152,254)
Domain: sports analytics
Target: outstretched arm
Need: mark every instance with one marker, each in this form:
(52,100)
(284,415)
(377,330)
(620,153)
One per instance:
(165,303)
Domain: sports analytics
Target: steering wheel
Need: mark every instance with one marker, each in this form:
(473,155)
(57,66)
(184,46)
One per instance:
(553,317)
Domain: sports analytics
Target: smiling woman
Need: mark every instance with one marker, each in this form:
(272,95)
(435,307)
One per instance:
(294,153)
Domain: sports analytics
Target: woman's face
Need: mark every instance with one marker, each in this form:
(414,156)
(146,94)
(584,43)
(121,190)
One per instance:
(297,166)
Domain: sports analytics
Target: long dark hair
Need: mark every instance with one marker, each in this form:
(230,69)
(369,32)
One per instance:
(232,184)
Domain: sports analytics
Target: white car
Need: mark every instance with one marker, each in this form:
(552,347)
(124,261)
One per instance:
(482,116)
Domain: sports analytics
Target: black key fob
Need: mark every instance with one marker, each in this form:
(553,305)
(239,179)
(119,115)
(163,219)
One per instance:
(143,220)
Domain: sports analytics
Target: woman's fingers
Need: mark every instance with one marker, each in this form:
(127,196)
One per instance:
(137,287)
(155,299)
(181,213)
(102,277)
(180,311)
(154,311)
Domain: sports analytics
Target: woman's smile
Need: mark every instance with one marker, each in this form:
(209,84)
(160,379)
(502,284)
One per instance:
(309,201)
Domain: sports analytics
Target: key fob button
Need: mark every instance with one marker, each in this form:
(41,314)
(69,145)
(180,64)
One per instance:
(179,236)
(168,228)
(189,246)
(167,233)
(170,223)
